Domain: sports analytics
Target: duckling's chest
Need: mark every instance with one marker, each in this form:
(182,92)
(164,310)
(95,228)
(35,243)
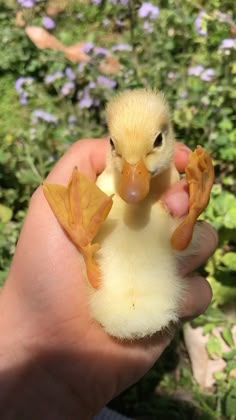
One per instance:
(140,289)
(135,239)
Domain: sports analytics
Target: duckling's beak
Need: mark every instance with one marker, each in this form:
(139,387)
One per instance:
(134,183)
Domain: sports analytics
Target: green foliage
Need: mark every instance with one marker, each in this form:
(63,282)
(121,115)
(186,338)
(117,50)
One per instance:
(164,53)
(5,214)
(214,347)
(226,384)
(228,336)
(230,403)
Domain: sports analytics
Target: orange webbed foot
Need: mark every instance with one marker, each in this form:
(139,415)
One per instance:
(200,178)
(80,208)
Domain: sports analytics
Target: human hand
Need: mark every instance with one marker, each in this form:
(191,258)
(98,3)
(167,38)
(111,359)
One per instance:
(70,362)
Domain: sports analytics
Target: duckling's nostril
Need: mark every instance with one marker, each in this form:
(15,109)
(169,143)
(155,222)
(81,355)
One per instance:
(133,197)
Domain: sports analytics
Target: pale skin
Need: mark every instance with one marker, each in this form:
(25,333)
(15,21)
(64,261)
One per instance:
(51,353)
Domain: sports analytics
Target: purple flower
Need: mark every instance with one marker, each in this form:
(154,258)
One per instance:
(85,101)
(67,88)
(20,85)
(92,85)
(96,1)
(23,98)
(183,94)
(106,22)
(40,114)
(195,70)
(123,2)
(119,23)
(48,22)
(87,47)
(172,75)
(27,3)
(148,10)
(22,81)
(122,47)
(148,27)
(101,51)
(227,43)
(106,81)
(81,66)
(207,75)
(50,78)
(201,23)
(70,73)
(72,119)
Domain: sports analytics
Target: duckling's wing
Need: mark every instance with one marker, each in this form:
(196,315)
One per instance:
(80,208)
(200,177)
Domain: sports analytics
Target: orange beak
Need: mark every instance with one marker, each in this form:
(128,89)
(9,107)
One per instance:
(135,182)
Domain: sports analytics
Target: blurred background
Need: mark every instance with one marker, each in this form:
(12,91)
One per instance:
(60,61)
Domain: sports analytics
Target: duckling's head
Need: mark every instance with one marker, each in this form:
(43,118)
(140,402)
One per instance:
(142,140)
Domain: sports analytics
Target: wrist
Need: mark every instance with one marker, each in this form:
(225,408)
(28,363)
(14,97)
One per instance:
(29,391)
(28,386)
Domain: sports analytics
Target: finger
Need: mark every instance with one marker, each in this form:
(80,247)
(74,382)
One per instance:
(181,156)
(88,155)
(197,297)
(198,292)
(207,242)
(177,198)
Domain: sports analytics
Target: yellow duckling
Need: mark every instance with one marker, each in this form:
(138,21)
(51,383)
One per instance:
(134,287)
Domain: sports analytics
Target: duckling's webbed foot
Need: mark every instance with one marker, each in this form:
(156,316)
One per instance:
(80,208)
(200,177)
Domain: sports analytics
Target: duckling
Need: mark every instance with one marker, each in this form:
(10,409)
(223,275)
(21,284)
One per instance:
(133,283)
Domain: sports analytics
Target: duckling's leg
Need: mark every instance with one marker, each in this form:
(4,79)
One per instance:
(80,208)
(200,177)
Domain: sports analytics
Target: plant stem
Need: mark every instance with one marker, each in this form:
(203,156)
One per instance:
(32,165)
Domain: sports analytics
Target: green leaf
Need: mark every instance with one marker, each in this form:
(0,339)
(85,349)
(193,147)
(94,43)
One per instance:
(220,376)
(208,328)
(230,365)
(199,321)
(229,260)
(230,219)
(230,403)
(3,275)
(228,336)
(229,355)
(214,313)
(226,124)
(213,347)
(5,213)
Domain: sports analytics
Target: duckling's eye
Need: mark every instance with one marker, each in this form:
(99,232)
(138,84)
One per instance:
(158,140)
(112,144)
(113,148)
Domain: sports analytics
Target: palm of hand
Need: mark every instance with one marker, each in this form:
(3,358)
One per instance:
(51,316)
